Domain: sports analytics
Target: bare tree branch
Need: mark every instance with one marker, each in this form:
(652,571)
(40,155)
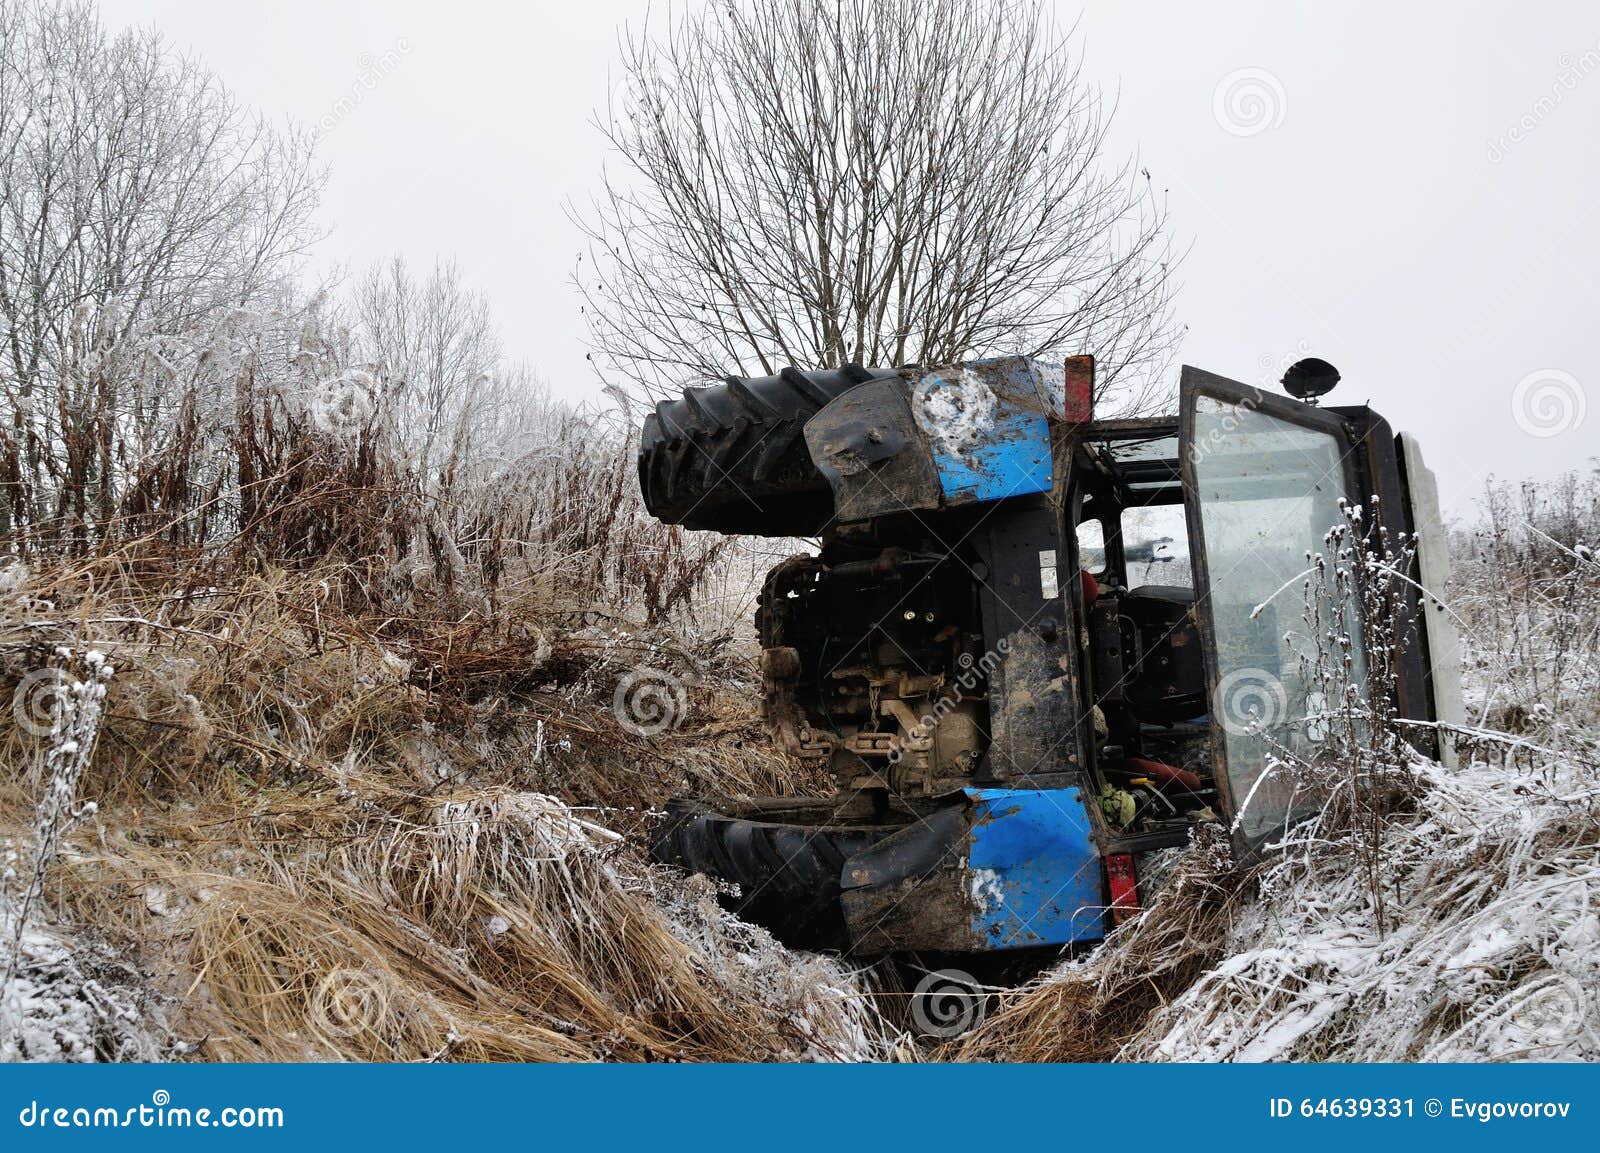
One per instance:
(881,181)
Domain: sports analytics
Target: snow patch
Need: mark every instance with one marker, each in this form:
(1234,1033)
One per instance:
(72,1001)
(1493,954)
(957,412)
(986,891)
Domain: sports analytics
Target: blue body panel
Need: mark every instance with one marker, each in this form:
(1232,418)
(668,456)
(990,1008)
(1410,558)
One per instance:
(1016,462)
(1034,873)
(989,437)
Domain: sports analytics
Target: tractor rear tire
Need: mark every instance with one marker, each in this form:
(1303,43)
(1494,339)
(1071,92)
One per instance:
(787,875)
(731,458)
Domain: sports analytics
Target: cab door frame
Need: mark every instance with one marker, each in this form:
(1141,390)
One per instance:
(1359,477)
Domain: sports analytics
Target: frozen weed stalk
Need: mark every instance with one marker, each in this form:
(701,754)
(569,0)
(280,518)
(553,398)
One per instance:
(1350,754)
(67,747)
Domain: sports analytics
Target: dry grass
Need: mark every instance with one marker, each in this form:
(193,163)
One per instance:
(331,835)
(491,925)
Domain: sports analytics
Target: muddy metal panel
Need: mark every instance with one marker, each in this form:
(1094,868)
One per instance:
(988,422)
(872,453)
(1036,727)
(984,448)
(999,869)
(1034,872)
(962,434)
(985,422)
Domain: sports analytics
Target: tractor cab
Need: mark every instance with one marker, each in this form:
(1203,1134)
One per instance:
(1030,646)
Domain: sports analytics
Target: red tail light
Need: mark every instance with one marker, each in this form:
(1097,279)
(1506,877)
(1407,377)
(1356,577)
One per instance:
(1078,393)
(1123,882)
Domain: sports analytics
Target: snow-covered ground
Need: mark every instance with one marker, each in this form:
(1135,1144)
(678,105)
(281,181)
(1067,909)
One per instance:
(1491,949)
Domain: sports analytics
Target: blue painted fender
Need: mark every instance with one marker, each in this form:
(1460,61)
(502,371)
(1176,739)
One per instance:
(995,869)
(1033,871)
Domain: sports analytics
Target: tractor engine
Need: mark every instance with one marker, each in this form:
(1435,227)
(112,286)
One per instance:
(873,663)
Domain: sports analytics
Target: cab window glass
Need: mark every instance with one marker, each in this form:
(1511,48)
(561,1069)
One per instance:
(1268,491)
(1155,546)
(1092,547)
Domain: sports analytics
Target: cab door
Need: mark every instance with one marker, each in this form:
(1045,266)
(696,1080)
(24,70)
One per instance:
(1263,476)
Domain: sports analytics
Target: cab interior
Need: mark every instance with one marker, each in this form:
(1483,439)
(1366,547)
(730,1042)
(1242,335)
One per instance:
(1145,681)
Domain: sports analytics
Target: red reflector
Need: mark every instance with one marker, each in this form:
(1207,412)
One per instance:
(1123,882)
(1079,389)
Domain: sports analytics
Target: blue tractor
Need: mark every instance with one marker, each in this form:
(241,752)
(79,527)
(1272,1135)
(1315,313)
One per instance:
(1017,643)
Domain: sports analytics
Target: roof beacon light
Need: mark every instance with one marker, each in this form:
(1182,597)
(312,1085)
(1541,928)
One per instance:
(1309,378)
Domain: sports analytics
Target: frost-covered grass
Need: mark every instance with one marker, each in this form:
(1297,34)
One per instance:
(69,998)
(1492,950)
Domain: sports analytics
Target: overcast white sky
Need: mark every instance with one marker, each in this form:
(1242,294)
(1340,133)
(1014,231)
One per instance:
(1413,197)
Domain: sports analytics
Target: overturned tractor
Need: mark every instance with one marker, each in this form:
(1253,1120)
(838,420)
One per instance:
(1018,645)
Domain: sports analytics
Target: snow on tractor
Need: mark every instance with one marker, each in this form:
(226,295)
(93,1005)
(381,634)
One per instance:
(1019,643)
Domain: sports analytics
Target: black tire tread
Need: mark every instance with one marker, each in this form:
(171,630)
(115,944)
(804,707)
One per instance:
(730,457)
(788,876)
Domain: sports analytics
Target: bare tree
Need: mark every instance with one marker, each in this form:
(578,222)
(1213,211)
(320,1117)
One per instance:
(882,181)
(439,353)
(139,204)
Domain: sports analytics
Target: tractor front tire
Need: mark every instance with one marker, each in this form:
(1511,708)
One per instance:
(786,876)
